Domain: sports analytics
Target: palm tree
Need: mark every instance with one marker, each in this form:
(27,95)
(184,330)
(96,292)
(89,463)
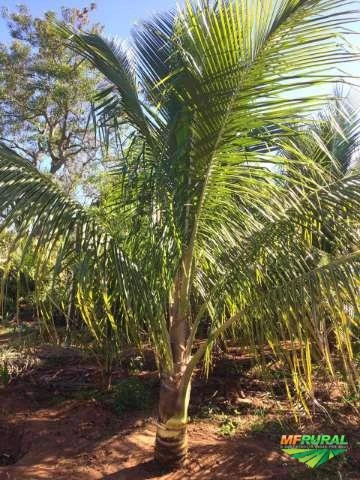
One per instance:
(332,141)
(217,223)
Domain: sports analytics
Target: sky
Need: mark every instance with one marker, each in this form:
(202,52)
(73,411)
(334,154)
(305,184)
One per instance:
(119,17)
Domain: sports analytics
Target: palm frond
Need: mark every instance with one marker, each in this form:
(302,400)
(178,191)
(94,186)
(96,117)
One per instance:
(121,97)
(61,234)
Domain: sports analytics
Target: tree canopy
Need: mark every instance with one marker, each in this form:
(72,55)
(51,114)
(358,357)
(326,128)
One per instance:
(46,92)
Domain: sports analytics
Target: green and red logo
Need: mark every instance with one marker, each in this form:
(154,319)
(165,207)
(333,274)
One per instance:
(314,450)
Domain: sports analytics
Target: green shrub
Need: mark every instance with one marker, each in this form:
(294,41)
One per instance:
(135,364)
(208,410)
(131,394)
(14,362)
(4,374)
(228,427)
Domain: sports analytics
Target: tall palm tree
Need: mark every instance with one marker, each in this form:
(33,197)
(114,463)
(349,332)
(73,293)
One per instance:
(218,223)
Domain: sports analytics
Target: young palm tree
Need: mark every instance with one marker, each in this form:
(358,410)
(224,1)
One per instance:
(217,220)
(333,139)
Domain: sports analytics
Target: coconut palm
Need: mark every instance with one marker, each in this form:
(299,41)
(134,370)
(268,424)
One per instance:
(337,133)
(215,220)
(333,138)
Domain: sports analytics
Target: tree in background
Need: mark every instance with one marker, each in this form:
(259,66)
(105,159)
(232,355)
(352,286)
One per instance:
(220,214)
(45,94)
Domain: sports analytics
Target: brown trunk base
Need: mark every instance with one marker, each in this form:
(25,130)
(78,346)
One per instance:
(171,447)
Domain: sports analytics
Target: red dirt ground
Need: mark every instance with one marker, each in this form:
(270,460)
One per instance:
(81,440)
(61,439)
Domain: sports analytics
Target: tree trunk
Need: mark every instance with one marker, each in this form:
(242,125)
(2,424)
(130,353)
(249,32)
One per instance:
(171,437)
(171,446)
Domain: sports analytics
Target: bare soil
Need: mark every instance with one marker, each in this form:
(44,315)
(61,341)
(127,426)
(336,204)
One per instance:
(54,427)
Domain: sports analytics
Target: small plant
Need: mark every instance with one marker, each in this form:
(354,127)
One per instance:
(278,374)
(260,412)
(135,364)
(4,374)
(258,425)
(130,394)
(208,410)
(14,363)
(352,399)
(228,427)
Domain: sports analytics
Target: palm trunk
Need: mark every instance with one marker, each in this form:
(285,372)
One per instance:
(171,437)
(70,318)
(171,446)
